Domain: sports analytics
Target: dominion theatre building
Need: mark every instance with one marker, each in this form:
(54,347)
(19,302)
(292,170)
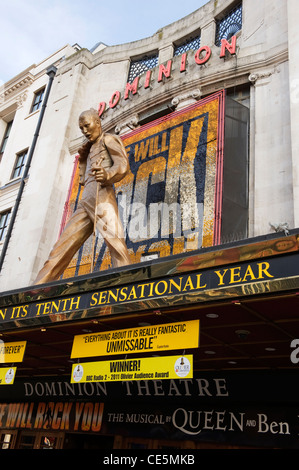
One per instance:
(194,343)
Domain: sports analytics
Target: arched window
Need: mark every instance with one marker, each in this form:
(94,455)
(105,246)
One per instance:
(229,25)
(187,44)
(139,66)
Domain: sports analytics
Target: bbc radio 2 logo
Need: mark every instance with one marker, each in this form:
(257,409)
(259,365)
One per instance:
(295,354)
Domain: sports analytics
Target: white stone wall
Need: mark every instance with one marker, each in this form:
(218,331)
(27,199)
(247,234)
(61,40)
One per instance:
(42,195)
(293,41)
(266,60)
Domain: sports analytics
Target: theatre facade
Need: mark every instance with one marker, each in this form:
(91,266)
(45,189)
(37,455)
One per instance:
(195,343)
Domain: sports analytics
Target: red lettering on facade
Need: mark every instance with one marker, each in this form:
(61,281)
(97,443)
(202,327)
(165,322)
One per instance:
(166,71)
(102,107)
(201,57)
(133,87)
(147,79)
(203,60)
(183,62)
(230,47)
(114,99)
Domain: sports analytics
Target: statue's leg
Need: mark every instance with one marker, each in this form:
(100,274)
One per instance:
(110,227)
(76,232)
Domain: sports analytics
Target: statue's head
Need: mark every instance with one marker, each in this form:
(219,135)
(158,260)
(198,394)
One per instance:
(90,125)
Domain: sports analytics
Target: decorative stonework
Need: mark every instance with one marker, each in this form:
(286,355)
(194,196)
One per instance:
(16,87)
(180,100)
(255,76)
(132,123)
(21,99)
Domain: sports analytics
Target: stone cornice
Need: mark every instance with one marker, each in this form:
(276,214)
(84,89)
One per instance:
(15,86)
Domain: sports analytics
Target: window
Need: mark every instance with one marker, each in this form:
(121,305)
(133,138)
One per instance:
(5,138)
(139,66)
(4,221)
(27,441)
(38,99)
(7,439)
(229,25)
(191,43)
(19,164)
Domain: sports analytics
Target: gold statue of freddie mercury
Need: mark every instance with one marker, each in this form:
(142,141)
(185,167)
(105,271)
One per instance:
(102,161)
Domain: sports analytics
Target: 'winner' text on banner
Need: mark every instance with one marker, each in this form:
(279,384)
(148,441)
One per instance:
(148,368)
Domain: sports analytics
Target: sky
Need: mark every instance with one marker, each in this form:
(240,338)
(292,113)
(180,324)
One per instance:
(31,30)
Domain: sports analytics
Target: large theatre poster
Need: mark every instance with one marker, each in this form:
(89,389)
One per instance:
(170,201)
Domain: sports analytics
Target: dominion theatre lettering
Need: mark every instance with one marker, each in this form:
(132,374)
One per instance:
(168,287)
(200,387)
(201,57)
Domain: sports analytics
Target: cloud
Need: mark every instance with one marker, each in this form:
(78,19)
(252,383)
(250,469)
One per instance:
(34,29)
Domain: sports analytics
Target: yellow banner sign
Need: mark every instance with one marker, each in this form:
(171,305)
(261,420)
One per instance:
(148,368)
(7,375)
(12,352)
(170,336)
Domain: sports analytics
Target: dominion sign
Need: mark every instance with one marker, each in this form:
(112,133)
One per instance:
(170,201)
